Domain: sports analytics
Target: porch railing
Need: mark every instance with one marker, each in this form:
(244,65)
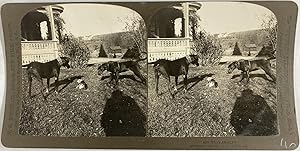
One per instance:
(167,48)
(41,51)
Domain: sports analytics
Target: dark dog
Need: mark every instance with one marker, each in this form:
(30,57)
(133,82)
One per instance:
(175,68)
(117,67)
(46,70)
(247,66)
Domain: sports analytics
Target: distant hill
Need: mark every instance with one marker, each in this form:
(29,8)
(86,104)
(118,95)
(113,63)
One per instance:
(94,42)
(228,40)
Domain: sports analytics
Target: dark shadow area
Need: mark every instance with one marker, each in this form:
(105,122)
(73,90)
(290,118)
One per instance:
(194,80)
(222,63)
(264,76)
(122,116)
(132,77)
(251,116)
(90,65)
(65,82)
(235,76)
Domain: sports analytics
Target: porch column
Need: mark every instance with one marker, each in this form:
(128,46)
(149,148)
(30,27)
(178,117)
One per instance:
(51,20)
(53,34)
(185,9)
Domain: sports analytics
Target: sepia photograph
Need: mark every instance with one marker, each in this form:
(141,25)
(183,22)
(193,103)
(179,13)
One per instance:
(150,75)
(212,70)
(188,69)
(84,71)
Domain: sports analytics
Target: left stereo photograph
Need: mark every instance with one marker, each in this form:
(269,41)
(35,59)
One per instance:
(84,71)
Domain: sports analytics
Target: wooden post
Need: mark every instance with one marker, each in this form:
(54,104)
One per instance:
(51,20)
(186,19)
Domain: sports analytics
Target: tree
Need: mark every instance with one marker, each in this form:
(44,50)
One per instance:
(75,49)
(136,33)
(266,51)
(194,20)
(102,52)
(59,26)
(270,27)
(236,50)
(131,53)
(207,48)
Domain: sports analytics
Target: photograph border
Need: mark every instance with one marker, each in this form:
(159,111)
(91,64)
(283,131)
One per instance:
(286,13)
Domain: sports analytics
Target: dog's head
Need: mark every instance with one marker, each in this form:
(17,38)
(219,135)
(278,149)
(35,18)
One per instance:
(64,61)
(194,59)
(232,66)
(103,67)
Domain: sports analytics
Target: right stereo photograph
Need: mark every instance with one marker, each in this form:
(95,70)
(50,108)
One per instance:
(212,70)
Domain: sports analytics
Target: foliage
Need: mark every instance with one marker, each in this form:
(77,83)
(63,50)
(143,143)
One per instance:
(132,53)
(194,20)
(208,48)
(76,50)
(236,50)
(266,51)
(59,26)
(270,26)
(102,52)
(136,33)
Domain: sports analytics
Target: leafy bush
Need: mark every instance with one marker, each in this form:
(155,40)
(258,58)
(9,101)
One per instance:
(208,48)
(76,50)
(266,51)
(236,50)
(102,52)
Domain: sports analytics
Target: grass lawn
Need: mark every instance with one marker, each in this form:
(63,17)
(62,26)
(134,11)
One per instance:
(99,111)
(230,109)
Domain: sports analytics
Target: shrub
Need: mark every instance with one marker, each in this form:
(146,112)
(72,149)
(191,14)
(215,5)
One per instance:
(236,50)
(208,48)
(133,53)
(76,50)
(102,52)
(266,51)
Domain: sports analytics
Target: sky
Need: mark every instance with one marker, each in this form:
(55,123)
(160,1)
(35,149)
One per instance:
(216,17)
(91,19)
(220,17)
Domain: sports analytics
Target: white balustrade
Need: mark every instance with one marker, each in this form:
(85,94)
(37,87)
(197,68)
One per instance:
(167,48)
(41,51)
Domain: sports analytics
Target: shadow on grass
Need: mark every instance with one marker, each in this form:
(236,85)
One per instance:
(251,116)
(65,82)
(253,76)
(122,116)
(194,80)
(132,77)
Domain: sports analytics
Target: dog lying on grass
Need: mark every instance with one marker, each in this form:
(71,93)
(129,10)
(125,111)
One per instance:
(115,68)
(247,66)
(175,68)
(46,70)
